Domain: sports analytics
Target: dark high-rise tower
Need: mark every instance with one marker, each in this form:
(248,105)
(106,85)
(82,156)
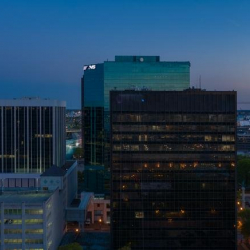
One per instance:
(173,169)
(125,72)
(32,135)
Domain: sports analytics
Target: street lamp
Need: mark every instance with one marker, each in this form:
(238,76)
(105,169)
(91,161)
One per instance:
(100,221)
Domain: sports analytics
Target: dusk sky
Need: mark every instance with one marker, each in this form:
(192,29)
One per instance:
(44,44)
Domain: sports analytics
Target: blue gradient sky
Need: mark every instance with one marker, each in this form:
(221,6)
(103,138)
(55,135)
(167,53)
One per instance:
(44,44)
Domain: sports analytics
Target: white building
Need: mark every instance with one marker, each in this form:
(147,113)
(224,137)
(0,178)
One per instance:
(32,135)
(31,220)
(33,214)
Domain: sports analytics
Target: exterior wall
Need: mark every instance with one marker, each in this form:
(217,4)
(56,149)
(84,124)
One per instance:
(173,169)
(99,209)
(94,179)
(20,181)
(70,184)
(144,72)
(59,136)
(56,223)
(27,226)
(123,73)
(31,225)
(93,135)
(93,86)
(52,182)
(67,184)
(32,135)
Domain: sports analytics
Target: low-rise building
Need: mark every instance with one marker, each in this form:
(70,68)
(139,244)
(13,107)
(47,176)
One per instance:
(33,207)
(31,220)
(98,210)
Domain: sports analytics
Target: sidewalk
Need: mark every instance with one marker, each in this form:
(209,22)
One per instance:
(97,227)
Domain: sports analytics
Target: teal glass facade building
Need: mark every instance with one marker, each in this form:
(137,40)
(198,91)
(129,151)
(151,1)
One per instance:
(144,72)
(126,72)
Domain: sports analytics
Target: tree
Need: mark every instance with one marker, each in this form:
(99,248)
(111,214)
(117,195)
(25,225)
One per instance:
(72,246)
(243,171)
(78,154)
(245,223)
(127,247)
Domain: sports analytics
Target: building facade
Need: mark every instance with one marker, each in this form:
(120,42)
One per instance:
(243,134)
(94,179)
(32,135)
(173,162)
(31,220)
(98,210)
(123,73)
(65,179)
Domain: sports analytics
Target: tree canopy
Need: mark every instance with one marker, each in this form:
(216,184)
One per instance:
(72,246)
(127,247)
(243,170)
(78,154)
(245,222)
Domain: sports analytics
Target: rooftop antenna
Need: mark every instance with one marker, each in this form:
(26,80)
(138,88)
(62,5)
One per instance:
(200,81)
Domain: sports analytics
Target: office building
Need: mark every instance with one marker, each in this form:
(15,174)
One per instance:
(243,132)
(98,210)
(31,220)
(35,208)
(94,179)
(32,135)
(64,178)
(136,72)
(173,169)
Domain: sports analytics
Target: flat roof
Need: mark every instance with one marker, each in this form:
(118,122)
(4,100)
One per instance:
(60,171)
(27,197)
(19,176)
(31,102)
(94,167)
(145,90)
(54,171)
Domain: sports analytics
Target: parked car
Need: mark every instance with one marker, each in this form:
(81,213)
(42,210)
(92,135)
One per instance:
(87,221)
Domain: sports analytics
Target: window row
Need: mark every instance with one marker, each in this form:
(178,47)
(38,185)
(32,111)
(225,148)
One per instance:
(173,117)
(19,211)
(173,128)
(173,147)
(162,156)
(170,137)
(18,221)
(19,231)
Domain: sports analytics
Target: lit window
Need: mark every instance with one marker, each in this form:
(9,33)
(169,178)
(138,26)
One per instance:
(139,215)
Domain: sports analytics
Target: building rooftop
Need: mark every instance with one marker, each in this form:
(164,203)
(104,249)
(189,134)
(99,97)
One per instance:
(31,102)
(94,167)
(54,171)
(28,197)
(137,58)
(68,165)
(135,89)
(146,59)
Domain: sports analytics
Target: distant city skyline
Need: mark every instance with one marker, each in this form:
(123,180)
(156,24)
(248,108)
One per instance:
(45,44)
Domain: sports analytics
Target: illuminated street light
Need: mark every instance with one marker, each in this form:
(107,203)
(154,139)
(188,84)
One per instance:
(100,221)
